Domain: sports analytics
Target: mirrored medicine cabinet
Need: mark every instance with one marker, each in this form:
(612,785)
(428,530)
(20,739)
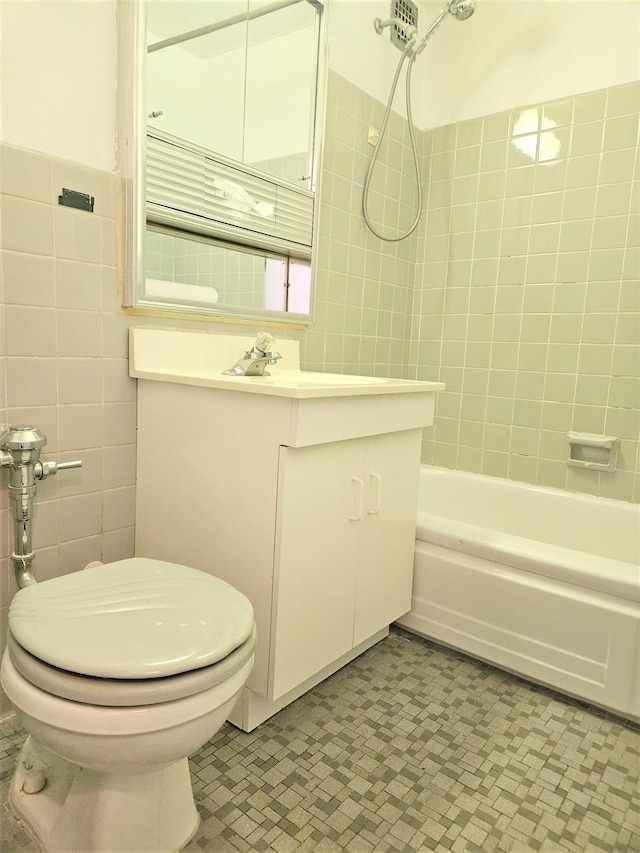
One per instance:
(220,128)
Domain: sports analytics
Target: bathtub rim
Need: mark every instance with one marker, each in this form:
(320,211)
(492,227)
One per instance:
(600,574)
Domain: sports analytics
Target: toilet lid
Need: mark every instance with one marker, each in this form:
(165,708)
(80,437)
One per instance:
(137,618)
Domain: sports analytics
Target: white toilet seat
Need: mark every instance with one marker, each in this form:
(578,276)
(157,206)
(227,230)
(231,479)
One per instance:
(133,619)
(68,719)
(121,693)
(119,673)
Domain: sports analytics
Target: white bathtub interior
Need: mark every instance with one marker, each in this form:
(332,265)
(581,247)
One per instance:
(538,581)
(597,526)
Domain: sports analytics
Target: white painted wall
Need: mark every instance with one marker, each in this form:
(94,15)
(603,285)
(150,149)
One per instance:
(509,53)
(59,63)
(58,71)
(517,52)
(358,53)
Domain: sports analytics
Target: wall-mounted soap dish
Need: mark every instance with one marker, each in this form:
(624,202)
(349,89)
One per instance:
(596,452)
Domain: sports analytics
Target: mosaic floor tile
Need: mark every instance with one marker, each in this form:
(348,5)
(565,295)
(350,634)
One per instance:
(411,747)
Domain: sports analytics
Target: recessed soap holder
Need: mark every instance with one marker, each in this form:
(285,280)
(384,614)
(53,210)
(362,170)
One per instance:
(596,452)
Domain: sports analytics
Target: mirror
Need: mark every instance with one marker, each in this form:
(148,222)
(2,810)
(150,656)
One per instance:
(252,80)
(221,189)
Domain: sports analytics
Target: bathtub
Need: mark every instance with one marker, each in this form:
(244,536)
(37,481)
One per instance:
(541,582)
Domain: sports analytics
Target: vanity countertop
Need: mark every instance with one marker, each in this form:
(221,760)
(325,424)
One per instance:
(194,358)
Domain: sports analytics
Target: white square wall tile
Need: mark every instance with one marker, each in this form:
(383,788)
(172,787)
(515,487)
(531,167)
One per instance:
(81,427)
(118,387)
(28,279)
(77,553)
(29,331)
(108,248)
(118,544)
(78,285)
(77,235)
(25,174)
(27,226)
(79,333)
(80,516)
(46,523)
(32,381)
(119,466)
(119,508)
(120,423)
(80,380)
(88,478)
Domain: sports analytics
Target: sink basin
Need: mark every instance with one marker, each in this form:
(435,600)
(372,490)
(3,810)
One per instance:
(307,377)
(193,358)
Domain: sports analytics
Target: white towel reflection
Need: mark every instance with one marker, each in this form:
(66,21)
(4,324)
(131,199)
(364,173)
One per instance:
(154,287)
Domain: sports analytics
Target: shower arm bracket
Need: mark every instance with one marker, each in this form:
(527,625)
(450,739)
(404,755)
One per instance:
(20,448)
(408,30)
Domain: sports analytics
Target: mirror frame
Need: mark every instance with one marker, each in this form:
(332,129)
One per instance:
(131,145)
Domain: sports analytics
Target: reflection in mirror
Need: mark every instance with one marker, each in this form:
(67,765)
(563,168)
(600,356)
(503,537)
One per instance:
(186,268)
(227,94)
(251,68)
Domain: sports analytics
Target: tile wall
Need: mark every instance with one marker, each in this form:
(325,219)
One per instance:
(64,363)
(363,287)
(526,268)
(528,290)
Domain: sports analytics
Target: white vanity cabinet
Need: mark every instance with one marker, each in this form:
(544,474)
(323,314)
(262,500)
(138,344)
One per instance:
(298,489)
(344,549)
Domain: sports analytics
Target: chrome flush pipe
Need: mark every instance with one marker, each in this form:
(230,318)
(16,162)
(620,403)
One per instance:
(20,448)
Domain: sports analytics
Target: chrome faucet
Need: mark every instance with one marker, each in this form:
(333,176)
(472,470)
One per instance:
(255,360)
(20,448)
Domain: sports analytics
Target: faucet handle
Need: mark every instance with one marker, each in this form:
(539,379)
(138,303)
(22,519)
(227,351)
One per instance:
(264,340)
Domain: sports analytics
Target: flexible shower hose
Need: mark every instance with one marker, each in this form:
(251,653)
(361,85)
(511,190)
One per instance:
(406,53)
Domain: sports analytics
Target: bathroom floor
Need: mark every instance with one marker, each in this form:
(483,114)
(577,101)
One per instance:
(411,747)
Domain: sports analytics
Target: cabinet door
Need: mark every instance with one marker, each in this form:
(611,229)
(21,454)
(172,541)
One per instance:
(320,501)
(387,540)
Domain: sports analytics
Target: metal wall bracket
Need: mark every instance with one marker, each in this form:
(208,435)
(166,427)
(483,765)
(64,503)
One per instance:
(72,198)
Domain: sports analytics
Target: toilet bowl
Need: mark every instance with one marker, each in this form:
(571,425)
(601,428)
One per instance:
(118,674)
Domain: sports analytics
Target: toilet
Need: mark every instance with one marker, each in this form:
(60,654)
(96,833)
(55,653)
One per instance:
(118,673)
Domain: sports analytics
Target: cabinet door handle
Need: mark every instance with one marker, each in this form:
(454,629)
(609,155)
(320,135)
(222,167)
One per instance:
(377,479)
(358,499)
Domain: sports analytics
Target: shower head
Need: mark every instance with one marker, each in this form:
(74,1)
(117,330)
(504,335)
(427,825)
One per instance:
(461,9)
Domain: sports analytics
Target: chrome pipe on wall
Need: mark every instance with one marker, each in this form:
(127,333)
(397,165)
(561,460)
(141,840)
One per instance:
(20,448)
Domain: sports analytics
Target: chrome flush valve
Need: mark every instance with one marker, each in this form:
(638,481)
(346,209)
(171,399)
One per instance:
(20,448)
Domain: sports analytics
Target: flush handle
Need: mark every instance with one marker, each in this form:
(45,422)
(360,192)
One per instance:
(45,469)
